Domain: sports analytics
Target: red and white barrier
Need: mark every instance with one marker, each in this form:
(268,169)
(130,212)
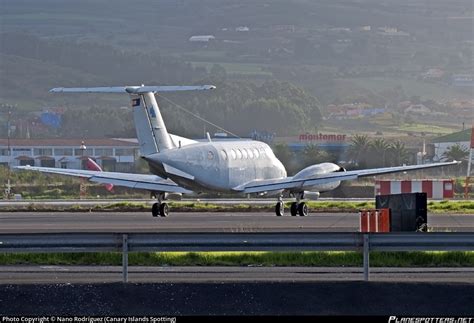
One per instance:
(435,189)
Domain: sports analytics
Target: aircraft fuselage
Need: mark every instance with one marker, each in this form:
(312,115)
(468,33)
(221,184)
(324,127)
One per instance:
(217,165)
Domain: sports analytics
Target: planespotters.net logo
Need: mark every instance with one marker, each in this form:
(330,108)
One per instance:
(396,319)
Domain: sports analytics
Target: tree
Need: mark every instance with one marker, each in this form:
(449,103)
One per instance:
(455,152)
(284,154)
(312,154)
(459,153)
(359,149)
(398,154)
(378,152)
(218,73)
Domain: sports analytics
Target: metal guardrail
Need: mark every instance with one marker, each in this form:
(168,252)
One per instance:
(141,242)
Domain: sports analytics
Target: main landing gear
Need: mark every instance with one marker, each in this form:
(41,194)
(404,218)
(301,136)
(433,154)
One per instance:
(296,208)
(160,208)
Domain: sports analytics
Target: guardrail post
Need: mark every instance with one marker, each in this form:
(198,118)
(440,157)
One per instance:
(125,258)
(366,257)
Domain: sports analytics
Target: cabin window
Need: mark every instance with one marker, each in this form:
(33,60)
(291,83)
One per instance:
(250,153)
(239,154)
(224,154)
(233,154)
(256,153)
(244,153)
(210,155)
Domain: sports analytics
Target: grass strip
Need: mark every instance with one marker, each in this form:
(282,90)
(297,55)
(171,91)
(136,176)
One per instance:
(451,207)
(460,207)
(319,259)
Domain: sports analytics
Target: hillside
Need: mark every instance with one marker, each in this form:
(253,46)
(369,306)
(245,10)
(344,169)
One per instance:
(379,53)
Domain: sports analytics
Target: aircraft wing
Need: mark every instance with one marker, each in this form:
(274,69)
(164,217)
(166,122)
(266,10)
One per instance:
(301,184)
(140,181)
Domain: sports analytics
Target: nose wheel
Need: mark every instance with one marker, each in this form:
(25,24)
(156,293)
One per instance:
(279,208)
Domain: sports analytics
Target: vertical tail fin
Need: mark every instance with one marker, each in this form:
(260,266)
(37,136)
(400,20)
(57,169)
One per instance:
(151,130)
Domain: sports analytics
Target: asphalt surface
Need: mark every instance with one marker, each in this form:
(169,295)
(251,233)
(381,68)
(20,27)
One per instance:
(176,299)
(50,274)
(28,222)
(91,290)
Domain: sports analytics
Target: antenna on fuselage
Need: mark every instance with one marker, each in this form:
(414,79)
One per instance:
(208,136)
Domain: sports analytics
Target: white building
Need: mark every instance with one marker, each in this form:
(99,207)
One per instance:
(202,38)
(110,154)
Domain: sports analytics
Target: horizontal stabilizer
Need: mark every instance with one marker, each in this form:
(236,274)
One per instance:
(131,89)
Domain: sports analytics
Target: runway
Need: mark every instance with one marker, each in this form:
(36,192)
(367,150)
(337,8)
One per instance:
(47,274)
(37,274)
(29,222)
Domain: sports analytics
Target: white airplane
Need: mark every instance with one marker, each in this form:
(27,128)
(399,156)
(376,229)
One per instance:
(181,166)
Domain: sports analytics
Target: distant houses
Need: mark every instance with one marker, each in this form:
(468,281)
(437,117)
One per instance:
(353,110)
(202,38)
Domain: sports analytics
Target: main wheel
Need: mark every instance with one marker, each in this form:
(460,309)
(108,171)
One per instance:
(294,209)
(279,208)
(164,209)
(302,209)
(155,209)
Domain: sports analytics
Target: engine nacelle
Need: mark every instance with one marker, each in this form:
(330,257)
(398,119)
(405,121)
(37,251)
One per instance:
(318,169)
(173,196)
(313,196)
(315,171)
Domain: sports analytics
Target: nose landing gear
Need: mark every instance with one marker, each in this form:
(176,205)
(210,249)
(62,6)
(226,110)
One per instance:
(279,207)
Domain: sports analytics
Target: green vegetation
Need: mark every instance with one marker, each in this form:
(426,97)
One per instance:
(324,259)
(377,152)
(451,207)
(275,106)
(318,46)
(425,128)
(238,68)
(460,207)
(411,87)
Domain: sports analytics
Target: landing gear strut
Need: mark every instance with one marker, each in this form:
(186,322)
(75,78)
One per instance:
(296,208)
(160,208)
